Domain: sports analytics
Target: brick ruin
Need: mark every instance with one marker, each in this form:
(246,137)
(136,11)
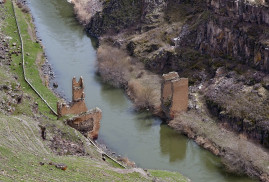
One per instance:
(174,94)
(87,122)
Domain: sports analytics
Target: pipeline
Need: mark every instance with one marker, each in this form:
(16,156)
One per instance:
(105,154)
(33,88)
(23,67)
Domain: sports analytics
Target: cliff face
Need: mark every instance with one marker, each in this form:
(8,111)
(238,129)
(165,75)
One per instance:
(236,29)
(124,14)
(116,15)
(219,28)
(220,45)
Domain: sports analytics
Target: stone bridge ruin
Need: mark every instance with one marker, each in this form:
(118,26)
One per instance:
(84,120)
(174,94)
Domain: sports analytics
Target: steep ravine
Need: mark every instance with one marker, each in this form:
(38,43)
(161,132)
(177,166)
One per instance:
(70,52)
(219,45)
(34,145)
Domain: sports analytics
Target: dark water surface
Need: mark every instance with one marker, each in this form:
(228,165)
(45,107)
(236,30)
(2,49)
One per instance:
(138,136)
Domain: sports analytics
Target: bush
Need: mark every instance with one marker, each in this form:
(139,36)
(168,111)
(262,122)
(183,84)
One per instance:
(126,162)
(85,9)
(120,70)
(113,65)
(144,95)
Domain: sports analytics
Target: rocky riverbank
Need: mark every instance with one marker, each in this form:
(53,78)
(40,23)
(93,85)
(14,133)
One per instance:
(225,62)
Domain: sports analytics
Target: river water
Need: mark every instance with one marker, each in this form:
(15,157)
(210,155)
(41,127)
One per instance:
(138,136)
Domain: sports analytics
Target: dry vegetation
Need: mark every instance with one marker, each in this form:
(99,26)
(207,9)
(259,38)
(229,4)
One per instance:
(242,101)
(237,152)
(144,94)
(257,1)
(126,162)
(85,9)
(120,70)
(113,65)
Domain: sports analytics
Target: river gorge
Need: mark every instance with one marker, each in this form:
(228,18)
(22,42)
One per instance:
(144,139)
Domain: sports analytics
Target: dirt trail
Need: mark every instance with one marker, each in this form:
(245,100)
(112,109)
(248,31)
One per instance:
(31,31)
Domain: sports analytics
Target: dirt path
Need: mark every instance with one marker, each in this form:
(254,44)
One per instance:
(30,30)
(39,62)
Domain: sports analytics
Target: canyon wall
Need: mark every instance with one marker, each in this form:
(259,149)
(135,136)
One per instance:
(118,15)
(198,38)
(237,30)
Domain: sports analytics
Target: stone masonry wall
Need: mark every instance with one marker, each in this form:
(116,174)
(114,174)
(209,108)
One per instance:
(174,94)
(87,122)
(78,104)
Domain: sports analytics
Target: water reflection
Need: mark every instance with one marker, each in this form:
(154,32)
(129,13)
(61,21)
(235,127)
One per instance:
(172,144)
(117,101)
(145,121)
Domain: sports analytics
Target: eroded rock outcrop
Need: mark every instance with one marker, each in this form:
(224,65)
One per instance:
(242,106)
(237,30)
(87,122)
(118,15)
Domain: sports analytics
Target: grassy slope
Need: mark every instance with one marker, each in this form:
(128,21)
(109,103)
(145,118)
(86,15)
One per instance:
(21,147)
(33,49)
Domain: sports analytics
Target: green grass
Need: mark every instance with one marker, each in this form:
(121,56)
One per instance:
(26,167)
(168,176)
(22,150)
(31,68)
(112,163)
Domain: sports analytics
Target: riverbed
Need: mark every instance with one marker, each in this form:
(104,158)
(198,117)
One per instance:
(144,139)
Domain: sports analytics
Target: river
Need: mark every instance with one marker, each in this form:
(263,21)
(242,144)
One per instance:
(139,136)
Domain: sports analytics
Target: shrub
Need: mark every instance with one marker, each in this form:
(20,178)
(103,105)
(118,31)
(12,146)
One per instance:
(81,11)
(85,9)
(113,65)
(126,161)
(145,95)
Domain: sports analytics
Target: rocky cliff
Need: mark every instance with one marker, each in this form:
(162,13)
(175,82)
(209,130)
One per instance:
(118,15)
(238,29)
(220,45)
(196,39)
(229,29)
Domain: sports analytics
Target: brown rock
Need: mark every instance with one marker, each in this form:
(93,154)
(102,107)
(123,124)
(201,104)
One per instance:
(61,166)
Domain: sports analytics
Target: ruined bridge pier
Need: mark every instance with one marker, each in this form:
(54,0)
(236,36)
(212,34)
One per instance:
(174,95)
(84,120)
